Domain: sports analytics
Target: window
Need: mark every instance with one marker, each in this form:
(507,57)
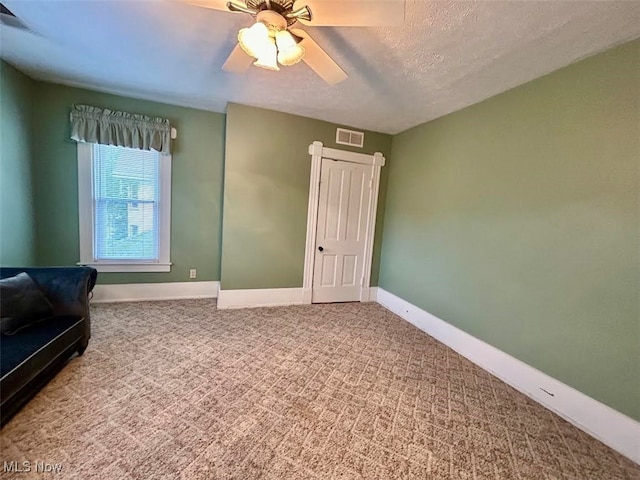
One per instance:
(125,208)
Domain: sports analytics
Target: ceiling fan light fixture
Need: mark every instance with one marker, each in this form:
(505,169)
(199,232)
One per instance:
(254,39)
(268,55)
(285,40)
(289,51)
(290,56)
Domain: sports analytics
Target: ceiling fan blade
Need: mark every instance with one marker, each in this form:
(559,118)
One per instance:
(238,61)
(319,61)
(354,13)
(214,4)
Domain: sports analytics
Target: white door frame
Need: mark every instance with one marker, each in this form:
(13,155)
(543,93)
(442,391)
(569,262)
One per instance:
(376,161)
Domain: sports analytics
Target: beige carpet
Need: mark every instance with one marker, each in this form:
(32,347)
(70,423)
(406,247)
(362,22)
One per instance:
(180,390)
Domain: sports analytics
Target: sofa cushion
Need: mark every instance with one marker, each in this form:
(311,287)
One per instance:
(17,351)
(31,351)
(21,303)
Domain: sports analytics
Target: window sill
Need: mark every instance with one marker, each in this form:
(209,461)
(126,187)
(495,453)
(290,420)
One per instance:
(128,267)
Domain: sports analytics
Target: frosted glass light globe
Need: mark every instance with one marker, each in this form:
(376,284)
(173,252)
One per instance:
(289,52)
(254,39)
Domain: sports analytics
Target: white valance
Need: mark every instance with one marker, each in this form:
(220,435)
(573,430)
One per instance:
(108,127)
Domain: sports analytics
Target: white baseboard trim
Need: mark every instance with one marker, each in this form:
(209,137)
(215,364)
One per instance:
(373,294)
(268,297)
(137,292)
(611,427)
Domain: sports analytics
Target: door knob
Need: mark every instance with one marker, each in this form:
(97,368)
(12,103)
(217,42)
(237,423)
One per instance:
(321,249)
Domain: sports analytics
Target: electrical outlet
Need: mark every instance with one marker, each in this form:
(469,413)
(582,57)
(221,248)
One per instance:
(192,273)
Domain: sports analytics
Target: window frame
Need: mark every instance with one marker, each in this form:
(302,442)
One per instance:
(86,211)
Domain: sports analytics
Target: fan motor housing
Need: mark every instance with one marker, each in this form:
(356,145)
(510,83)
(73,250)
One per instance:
(273,20)
(281,7)
(276,5)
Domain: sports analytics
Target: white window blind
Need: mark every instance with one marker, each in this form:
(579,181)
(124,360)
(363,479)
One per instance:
(126,203)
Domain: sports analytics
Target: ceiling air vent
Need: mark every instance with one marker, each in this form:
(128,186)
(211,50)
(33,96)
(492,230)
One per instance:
(8,19)
(349,137)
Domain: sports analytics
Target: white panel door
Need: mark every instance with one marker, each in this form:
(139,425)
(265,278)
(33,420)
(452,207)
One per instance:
(345,190)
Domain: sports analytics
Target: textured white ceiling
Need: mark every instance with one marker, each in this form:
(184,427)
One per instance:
(449,54)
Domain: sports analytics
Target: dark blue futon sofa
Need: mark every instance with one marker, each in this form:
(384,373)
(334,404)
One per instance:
(31,356)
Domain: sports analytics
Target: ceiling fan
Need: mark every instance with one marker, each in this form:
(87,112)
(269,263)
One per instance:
(272,40)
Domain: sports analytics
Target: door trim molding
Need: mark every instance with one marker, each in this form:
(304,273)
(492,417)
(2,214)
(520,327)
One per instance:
(318,151)
(334,154)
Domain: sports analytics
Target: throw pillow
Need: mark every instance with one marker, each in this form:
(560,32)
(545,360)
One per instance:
(21,303)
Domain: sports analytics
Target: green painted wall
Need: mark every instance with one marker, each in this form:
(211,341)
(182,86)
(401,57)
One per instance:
(266,193)
(517,220)
(17,227)
(196,195)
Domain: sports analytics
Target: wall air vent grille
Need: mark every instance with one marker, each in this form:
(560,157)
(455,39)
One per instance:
(350,137)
